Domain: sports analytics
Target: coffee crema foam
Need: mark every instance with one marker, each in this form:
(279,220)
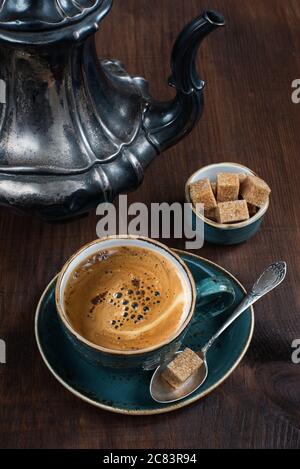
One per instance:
(126,298)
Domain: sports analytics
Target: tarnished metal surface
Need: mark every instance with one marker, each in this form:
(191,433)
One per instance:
(75,130)
(48,21)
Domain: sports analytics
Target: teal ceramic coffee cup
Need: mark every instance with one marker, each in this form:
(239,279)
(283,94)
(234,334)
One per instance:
(210,296)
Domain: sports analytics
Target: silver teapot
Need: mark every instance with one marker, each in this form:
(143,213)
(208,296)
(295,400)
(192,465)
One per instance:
(76,130)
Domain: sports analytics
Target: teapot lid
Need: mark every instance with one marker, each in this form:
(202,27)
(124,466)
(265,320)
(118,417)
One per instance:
(39,22)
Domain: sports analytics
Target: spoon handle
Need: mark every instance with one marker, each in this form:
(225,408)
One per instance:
(269,279)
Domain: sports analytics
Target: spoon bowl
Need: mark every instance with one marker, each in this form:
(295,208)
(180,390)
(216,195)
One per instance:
(164,393)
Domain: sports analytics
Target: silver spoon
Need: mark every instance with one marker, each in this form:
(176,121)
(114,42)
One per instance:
(162,392)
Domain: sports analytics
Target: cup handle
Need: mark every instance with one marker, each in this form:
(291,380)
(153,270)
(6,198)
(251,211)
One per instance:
(214,295)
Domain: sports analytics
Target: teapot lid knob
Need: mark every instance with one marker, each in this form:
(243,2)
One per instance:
(42,22)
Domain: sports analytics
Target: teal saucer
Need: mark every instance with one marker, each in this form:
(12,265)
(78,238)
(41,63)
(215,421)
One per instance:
(128,392)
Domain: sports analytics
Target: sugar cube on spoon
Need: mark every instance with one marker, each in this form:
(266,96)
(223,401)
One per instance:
(184,365)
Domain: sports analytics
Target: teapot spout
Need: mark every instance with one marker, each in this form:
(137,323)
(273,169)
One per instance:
(168,122)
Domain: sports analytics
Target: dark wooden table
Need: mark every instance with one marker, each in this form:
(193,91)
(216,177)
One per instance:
(249,118)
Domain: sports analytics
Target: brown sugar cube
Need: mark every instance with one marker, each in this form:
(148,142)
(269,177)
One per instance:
(230,212)
(228,187)
(242,177)
(210,213)
(182,367)
(214,188)
(252,209)
(201,193)
(255,191)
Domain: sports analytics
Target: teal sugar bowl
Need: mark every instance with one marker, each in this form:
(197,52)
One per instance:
(220,233)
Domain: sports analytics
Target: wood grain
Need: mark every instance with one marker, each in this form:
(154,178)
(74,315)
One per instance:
(249,118)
